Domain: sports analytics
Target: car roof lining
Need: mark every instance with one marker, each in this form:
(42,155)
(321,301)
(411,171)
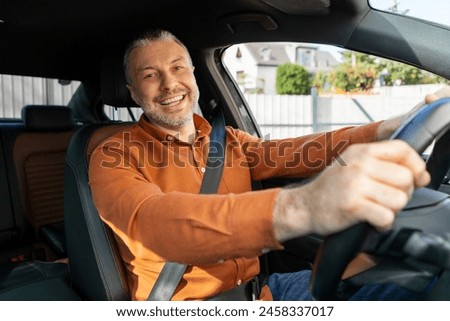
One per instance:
(84,32)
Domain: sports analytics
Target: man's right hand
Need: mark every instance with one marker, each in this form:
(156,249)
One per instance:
(371,183)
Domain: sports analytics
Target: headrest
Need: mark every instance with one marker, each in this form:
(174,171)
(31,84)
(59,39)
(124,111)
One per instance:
(113,84)
(47,118)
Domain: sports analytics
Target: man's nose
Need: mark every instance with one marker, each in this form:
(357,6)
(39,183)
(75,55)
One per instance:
(168,81)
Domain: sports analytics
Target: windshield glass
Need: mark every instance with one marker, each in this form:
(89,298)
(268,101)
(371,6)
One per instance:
(434,10)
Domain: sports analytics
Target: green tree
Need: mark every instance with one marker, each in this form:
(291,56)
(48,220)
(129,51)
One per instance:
(401,74)
(320,80)
(292,79)
(356,73)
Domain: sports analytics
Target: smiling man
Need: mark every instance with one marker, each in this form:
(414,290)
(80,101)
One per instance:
(150,196)
(164,85)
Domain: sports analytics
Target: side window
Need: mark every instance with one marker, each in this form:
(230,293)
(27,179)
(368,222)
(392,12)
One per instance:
(122,113)
(295,89)
(129,114)
(18,91)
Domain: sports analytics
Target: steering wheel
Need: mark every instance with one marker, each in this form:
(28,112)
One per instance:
(419,130)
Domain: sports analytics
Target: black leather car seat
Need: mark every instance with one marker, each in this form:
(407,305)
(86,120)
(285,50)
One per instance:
(97,270)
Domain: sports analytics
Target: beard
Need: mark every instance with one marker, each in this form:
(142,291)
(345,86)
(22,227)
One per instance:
(168,121)
(171,121)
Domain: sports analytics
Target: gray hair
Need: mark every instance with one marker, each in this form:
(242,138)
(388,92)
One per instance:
(146,39)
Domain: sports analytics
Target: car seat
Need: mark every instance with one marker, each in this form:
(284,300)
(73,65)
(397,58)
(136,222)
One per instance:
(39,155)
(97,270)
(34,161)
(96,267)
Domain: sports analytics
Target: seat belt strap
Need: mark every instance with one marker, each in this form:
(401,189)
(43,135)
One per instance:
(216,156)
(172,272)
(167,281)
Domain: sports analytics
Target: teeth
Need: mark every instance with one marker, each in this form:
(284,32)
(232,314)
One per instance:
(171,100)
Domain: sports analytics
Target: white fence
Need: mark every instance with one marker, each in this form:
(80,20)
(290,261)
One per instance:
(290,116)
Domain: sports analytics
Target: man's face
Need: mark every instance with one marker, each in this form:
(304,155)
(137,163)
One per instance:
(163,83)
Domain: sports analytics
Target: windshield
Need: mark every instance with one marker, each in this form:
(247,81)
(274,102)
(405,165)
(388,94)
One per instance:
(436,11)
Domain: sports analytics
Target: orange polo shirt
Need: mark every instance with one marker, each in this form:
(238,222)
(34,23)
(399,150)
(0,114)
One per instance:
(146,184)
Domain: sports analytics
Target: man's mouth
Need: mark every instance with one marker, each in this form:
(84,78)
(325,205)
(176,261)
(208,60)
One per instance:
(172,101)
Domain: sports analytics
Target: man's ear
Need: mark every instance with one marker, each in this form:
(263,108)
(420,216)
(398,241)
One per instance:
(132,93)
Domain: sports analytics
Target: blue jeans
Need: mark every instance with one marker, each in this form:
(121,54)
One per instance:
(295,287)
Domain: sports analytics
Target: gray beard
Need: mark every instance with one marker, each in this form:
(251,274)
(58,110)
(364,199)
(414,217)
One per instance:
(168,122)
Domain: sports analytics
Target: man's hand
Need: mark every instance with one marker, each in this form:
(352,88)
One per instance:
(371,182)
(389,126)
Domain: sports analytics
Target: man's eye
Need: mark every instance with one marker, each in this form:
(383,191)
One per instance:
(152,75)
(179,67)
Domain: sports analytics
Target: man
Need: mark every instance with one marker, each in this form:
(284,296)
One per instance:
(145,184)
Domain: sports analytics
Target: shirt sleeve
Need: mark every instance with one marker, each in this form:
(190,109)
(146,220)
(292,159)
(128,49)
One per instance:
(302,156)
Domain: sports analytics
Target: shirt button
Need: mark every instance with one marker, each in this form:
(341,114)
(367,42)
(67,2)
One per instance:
(169,138)
(202,169)
(239,282)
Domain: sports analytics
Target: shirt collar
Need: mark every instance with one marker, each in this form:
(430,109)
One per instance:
(201,125)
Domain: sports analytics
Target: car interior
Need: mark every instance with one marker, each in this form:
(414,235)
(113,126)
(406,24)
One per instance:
(53,244)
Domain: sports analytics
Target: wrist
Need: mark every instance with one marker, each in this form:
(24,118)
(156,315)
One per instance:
(388,127)
(290,215)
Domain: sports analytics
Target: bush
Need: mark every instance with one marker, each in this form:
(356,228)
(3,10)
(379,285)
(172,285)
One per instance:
(292,79)
(357,73)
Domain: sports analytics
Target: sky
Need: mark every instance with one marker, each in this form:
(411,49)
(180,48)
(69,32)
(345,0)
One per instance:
(433,10)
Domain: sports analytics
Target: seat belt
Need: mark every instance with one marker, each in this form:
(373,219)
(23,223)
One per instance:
(172,272)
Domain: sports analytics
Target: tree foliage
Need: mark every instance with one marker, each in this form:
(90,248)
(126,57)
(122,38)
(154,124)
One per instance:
(320,80)
(356,73)
(394,73)
(292,79)
(359,72)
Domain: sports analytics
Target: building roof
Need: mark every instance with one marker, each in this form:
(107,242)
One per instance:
(268,54)
(275,54)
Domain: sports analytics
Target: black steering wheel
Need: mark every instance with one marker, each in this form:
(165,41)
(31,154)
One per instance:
(432,122)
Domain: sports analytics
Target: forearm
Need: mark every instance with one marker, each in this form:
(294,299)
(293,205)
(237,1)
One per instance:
(388,127)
